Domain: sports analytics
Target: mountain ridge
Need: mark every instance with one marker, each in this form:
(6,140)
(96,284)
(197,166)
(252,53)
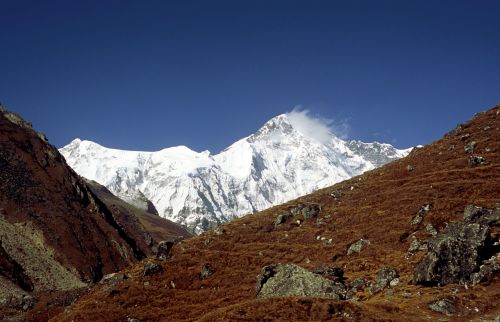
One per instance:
(283,159)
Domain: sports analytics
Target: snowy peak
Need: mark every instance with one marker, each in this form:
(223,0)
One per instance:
(289,156)
(277,125)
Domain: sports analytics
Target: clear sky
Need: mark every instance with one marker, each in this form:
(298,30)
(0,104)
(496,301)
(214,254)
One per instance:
(152,74)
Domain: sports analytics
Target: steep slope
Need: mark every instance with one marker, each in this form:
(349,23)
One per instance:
(367,226)
(142,223)
(281,161)
(55,232)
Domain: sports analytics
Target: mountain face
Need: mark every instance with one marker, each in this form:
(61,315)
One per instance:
(416,240)
(56,232)
(199,190)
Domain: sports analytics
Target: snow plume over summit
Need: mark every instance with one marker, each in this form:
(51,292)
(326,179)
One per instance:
(316,127)
(290,155)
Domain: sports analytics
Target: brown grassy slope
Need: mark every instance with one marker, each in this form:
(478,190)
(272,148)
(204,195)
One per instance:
(55,233)
(378,205)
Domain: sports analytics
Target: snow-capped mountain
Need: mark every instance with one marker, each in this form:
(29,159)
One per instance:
(281,161)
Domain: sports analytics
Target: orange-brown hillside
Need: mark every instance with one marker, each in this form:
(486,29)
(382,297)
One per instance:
(378,206)
(56,233)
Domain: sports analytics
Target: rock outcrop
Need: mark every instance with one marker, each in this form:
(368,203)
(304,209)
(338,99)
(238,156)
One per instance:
(458,251)
(284,280)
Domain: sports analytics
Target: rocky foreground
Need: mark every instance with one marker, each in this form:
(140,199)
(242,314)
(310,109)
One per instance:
(417,239)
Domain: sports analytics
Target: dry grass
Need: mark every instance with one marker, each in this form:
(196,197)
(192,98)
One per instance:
(379,207)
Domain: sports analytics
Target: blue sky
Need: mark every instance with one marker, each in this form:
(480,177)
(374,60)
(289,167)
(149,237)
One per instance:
(151,74)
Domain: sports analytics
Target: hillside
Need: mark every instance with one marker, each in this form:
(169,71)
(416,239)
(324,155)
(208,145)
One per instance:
(56,232)
(393,241)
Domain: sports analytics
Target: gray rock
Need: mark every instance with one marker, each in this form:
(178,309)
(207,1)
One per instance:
(164,248)
(419,217)
(281,219)
(475,160)
(384,278)
(357,246)
(469,147)
(311,211)
(472,212)
(415,246)
(431,230)
(455,253)
(332,273)
(410,167)
(394,282)
(296,210)
(336,194)
(444,306)
(27,302)
(487,270)
(284,280)
(359,283)
(134,320)
(206,271)
(152,268)
(355,286)
(111,280)
(219,230)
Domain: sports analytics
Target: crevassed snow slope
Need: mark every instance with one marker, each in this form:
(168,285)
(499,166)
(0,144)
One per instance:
(277,163)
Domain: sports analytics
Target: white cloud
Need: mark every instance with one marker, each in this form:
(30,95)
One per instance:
(316,127)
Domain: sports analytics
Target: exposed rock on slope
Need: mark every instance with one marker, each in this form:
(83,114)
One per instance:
(377,206)
(292,280)
(277,163)
(459,250)
(55,232)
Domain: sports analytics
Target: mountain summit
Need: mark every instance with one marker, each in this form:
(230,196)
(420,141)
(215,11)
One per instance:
(287,157)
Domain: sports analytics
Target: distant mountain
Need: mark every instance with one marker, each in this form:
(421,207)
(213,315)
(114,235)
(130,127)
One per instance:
(279,162)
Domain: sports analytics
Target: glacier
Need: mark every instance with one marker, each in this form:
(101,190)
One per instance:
(279,162)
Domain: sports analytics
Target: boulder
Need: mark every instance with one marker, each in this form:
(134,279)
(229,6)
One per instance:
(457,252)
(487,270)
(281,219)
(113,279)
(429,228)
(419,217)
(469,147)
(285,280)
(307,211)
(164,248)
(475,160)
(152,268)
(311,211)
(444,306)
(415,246)
(206,271)
(384,278)
(357,246)
(336,194)
(358,284)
